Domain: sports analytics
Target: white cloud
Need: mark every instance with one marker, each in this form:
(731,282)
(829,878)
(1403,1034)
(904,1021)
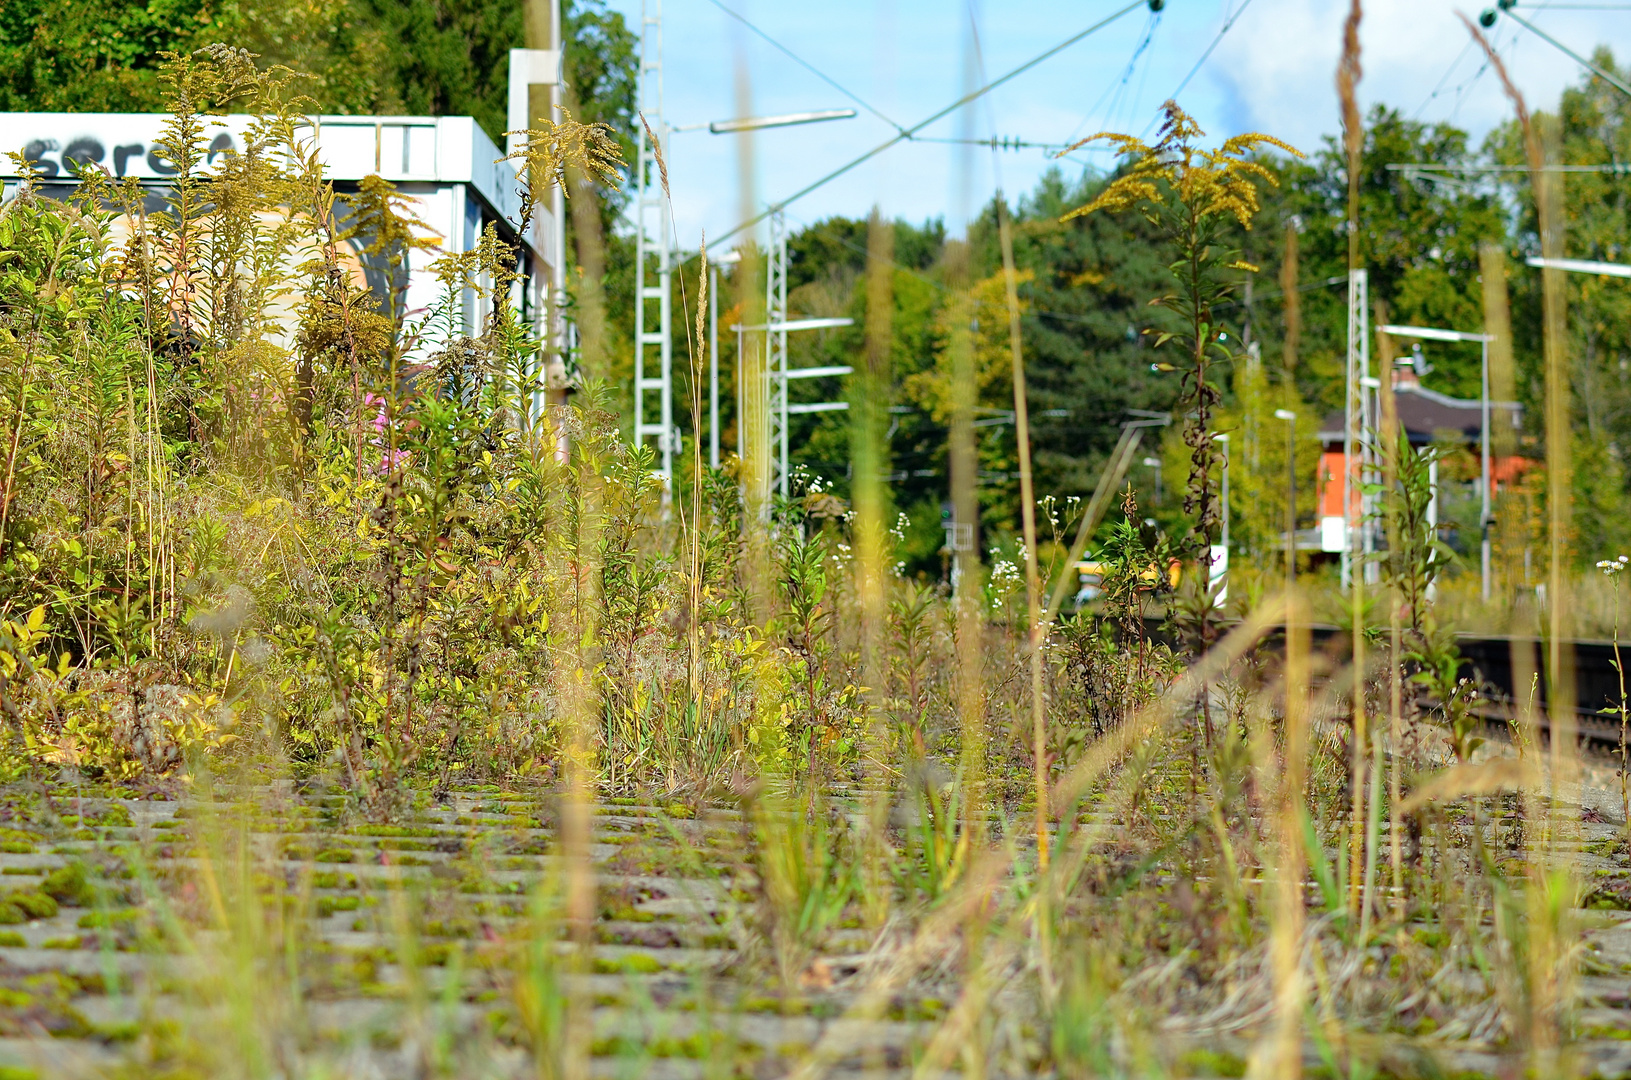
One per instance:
(1278,64)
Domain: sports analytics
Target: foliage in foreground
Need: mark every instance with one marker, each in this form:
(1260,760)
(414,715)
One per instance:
(343,545)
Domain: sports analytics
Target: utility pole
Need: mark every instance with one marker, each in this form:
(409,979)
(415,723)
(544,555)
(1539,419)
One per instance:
(652,233)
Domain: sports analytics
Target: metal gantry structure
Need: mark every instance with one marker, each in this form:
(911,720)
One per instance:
(778,374)
(653,243)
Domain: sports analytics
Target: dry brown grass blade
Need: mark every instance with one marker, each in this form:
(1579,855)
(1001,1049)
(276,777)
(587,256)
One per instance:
(1278,1054)
(1388,440)
(1472,778)
(1289,278)
(1349,72)
(1552,933)
(1539,146)
(870,458)
(1027,504)
(657,152)
(699,363)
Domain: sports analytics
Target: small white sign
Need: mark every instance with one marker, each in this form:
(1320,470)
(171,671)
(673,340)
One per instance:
(1331,534)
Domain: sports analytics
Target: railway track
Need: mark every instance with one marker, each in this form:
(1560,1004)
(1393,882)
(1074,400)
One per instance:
(1488,661)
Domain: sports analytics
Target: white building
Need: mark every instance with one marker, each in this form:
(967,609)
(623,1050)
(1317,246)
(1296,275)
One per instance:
(446,166)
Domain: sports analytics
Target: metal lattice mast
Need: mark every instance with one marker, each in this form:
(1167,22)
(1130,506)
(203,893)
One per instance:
(1356,415)
(776,349)
(652,234)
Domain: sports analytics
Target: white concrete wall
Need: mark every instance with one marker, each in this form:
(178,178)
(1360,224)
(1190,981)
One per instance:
(446,165)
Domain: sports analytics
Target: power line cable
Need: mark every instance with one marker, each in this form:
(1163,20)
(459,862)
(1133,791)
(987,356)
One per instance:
(996,142)
(806,65)
(1460,56)
(1465,89)
(908,133)
(1143,82)
(1138,50)
(1229,22)
(1123,98)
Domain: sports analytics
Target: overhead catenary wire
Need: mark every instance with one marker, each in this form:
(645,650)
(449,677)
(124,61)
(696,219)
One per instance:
(995,142)
(1143,81)
(909,133)
(1608,77)
(1464,89)
(1205,56)
(1621,169)
(1428,100)
(1119,81)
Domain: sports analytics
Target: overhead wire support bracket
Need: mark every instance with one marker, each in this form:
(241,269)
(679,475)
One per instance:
(1487,19)
(908,133)
(1582,266)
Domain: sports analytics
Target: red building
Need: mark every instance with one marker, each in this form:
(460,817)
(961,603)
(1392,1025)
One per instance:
(1426,416)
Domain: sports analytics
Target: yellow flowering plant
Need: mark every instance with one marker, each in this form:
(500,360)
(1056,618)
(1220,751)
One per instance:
(1193,196)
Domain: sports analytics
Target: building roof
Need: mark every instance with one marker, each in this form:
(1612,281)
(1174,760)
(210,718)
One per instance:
(1427,415)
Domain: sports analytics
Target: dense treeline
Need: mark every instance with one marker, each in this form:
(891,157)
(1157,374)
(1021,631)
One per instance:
(1086,287)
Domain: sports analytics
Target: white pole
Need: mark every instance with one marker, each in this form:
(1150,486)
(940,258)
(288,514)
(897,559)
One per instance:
(1432,520)
(713,367)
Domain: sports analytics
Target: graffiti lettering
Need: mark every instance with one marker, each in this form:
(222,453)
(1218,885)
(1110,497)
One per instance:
(48,158)
(122,154)
(158,164)
(34,153)
(82,152)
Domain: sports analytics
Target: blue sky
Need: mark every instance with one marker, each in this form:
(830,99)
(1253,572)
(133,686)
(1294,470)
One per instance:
(1271,72)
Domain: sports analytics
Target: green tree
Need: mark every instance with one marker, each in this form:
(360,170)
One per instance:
(1419,237)
(96,55)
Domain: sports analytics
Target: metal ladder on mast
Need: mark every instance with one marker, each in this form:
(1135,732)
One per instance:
(651,208)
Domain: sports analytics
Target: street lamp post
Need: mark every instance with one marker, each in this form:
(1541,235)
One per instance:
(1291,494)
(1155,463)
(1485,480)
